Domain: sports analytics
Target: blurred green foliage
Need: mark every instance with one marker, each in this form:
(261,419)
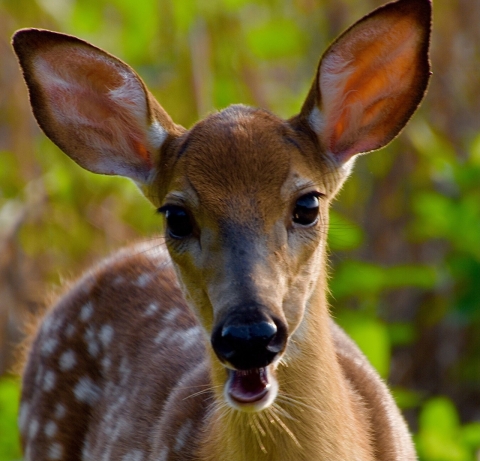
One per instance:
(9,437)
(404,235)
(441,436)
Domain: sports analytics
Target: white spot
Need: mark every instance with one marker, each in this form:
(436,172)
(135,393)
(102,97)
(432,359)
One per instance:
(177,336)
(106,335)
(113,438)
(55,451)
(86,391)
(134,455)
(106,363)
(70,330)
(143,280)
(49,381)
(86,312)
(39,376)
(92,343)
(48,324)
(48,346)
(33,429)
(163,455)
(50,429)
(67,360)
(163,335)
(118,280)
(86,450)
(182,435)
(60,411)
(117,403)
(151,309)
(190,337)
(124,370)
(23,416)
(170,316)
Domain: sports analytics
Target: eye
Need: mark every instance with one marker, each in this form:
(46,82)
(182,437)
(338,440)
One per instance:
(179,222)
(306,210)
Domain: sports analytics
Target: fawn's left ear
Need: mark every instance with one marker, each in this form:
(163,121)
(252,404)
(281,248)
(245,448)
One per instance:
(93,106)
(371,80)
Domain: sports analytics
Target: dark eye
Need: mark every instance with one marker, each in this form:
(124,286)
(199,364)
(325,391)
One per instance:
(179,222)
(306,210)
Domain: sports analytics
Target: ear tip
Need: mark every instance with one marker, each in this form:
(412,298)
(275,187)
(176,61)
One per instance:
(26,40)
(422,9)
(28,34)
(20,37)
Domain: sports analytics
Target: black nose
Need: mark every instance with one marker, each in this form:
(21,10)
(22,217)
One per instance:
(249,338)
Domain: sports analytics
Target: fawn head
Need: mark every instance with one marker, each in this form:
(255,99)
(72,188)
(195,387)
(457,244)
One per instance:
(245,194)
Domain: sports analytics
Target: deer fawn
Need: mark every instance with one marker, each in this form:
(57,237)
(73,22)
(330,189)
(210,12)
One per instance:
(218,345)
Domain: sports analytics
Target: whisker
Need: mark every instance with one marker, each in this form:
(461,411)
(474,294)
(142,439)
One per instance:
(266,423)
(258,425)
(284,427)
(284,412)
(257,436)
(195,394)
(284,398)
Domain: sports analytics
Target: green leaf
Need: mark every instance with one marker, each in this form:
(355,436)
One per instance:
(470,434)
(433,446)
(440,435)
(9,436)
(440,415)
(355,278)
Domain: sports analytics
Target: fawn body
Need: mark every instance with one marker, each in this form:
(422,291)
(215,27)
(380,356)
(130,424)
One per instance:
(219,344)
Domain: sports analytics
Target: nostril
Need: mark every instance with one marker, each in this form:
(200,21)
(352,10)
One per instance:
(279,341)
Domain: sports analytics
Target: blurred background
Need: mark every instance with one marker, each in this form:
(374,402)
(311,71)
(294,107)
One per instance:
(405,232)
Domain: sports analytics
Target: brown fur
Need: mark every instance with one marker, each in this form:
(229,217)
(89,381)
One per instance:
(121,367)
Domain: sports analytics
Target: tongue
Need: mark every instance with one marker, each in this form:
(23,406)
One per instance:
(247,386)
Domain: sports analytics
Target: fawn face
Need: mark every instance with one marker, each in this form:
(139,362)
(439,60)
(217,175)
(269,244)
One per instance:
(246,222)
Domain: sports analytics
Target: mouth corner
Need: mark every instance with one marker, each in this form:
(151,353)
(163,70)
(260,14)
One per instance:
(251,390)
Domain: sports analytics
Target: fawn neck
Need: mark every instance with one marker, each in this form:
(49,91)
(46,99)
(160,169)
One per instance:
(315,417)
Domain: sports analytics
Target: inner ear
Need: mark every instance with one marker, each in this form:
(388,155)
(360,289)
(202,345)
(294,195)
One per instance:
(93,103)
(93,106)
(371,79)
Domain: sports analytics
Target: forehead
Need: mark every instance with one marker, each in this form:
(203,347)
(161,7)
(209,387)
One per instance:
(238,148)
(239,157)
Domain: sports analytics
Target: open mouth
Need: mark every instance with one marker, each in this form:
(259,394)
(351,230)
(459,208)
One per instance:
(248,386)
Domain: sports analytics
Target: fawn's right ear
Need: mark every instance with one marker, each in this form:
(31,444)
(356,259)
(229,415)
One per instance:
(92,105)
